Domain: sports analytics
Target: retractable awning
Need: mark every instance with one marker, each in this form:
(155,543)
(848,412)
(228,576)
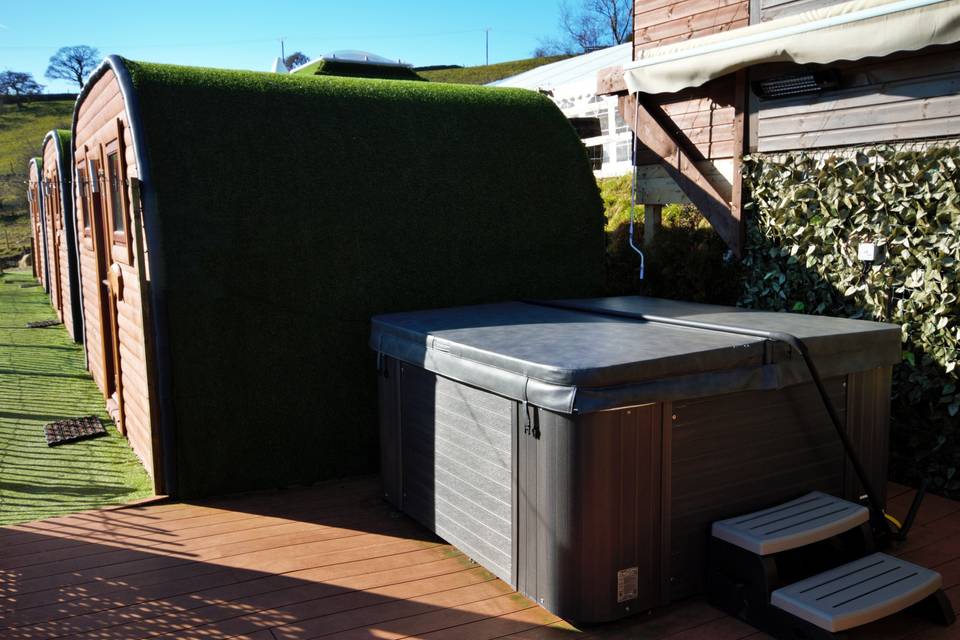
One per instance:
(847,31)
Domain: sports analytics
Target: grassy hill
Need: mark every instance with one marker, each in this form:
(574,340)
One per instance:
(21,133)
(487,73)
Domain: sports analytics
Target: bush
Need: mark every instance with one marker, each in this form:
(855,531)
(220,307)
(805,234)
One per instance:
(811,212)
(702,275)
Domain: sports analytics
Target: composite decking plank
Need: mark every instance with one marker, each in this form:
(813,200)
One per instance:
(120,523)
(190,571)
(263,560)
(266,603)
(271,535)
(407,563)
(341,612)
(332,561)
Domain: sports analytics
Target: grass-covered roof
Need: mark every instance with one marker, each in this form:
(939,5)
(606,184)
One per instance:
(292,209)
(63,137)
(484,74)
(352,69)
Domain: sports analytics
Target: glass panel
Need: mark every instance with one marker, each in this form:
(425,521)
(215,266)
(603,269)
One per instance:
(604,115)
(621,124)
(623,151)
(116,193)
(84,215)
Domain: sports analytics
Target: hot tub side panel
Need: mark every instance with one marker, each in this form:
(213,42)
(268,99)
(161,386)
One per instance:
(588,524)
(736,453)
(456,465)
(567,509)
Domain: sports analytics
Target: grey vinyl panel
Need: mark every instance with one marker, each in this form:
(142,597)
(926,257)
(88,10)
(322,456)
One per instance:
(457,467)
(739,453)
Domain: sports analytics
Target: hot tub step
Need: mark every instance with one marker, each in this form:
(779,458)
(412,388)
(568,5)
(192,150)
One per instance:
(811,518)
(857,593)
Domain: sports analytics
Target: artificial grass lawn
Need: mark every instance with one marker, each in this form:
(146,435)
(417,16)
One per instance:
(42,378)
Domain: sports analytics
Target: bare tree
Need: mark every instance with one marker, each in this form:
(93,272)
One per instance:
(18,84)
(73,64)
(296,59)
(589,25)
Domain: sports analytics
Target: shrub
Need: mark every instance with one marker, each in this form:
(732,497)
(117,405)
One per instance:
(810,212)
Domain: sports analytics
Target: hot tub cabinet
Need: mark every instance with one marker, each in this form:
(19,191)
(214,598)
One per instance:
(580,452)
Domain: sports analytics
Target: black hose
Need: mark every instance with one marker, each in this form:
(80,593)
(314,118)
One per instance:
(877,514)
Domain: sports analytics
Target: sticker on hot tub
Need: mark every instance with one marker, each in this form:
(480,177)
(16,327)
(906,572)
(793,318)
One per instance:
(627,584)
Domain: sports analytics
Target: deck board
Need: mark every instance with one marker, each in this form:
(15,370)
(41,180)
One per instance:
(331,561)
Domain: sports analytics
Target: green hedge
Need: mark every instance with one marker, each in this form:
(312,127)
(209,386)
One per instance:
(292,209)
(809,214)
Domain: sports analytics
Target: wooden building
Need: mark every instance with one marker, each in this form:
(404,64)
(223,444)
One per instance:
(231,262)
(712,80)
(61,246)
(38,229)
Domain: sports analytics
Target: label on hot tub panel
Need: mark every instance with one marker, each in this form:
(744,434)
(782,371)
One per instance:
(627,584)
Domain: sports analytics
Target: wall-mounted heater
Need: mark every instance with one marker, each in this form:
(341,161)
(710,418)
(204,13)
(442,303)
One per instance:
(797,84)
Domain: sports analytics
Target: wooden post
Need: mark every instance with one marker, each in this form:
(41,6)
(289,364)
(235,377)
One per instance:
(652,221)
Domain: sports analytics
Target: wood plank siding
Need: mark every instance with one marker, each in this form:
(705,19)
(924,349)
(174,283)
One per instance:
(96,127)
(911,96)
(333,561)
(57,238)
(660,22)
(34,178)
(704,116)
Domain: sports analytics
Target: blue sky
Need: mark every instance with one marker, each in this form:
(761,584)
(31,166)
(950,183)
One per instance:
(245,35)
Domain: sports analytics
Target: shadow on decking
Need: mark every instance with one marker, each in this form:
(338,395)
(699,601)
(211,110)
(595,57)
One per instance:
(304,563)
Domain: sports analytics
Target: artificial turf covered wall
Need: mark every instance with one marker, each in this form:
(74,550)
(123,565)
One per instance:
(295,208)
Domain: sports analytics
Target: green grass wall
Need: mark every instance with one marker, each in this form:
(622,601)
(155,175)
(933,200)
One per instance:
(295,208)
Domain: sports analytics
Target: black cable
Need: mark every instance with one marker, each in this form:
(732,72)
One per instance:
(873,499)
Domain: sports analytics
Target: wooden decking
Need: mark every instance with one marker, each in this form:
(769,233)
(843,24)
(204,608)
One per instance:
(332,561)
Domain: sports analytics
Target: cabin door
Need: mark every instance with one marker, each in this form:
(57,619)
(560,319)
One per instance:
(103,247)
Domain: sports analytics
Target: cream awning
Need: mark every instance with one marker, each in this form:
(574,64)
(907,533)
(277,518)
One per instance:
(847,31)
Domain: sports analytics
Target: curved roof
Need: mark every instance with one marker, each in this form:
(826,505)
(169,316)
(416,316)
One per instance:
(293,208)
(580,71)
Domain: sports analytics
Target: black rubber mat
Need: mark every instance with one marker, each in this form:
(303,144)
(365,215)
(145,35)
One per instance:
(73,429)
(39,324)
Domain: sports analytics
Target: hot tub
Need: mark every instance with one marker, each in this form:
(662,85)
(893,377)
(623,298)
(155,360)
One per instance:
(580,450)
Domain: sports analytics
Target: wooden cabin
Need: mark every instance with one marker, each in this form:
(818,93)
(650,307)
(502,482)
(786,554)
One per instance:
(712,80)
(61,231)
(38,229)
(241,229)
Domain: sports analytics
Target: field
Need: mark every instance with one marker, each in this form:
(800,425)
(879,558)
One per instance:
(21,133)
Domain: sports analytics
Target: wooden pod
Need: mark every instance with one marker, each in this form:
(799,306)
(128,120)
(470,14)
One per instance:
(61,246)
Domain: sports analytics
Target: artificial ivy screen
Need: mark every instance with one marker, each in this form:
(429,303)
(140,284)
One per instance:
(811,211)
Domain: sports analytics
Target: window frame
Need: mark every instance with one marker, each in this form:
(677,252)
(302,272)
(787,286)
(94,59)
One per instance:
(83,193)
(121,247)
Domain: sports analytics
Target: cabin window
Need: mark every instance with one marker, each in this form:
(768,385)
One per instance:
(115,189)
(83,188)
